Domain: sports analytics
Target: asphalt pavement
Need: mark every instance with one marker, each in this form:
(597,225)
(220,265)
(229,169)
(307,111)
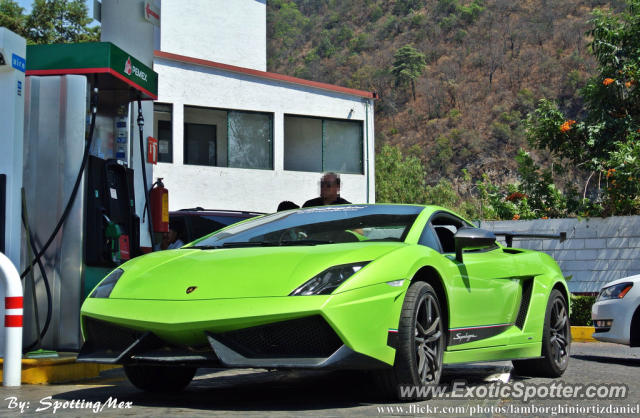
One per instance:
(252,392)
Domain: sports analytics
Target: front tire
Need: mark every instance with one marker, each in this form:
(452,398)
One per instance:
(159,379)
(556,342)
(421,343)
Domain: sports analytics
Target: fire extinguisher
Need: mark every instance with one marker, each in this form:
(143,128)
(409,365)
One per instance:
(159,201)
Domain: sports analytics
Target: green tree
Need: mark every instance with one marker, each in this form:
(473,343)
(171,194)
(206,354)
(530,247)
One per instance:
(402,179)
(408,64)
(403,7)
(611,120)
(445,194)
(287,23)
(534,196)
(11,16)
(622,178)
(399,178)
(60,21)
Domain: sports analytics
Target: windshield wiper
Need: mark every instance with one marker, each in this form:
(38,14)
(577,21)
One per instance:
(241,244)
(233,245)
(305,242)
(204,247)
(248,244)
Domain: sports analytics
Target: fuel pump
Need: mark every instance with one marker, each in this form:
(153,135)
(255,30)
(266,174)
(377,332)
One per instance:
(102,228)
(110,214)
(12,67)
(122,134)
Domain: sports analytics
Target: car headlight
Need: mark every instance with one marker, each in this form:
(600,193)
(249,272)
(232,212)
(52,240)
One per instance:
(617,291)
(327,281)
(107,284)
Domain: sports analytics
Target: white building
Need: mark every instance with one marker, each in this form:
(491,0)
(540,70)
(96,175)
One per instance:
(233,136)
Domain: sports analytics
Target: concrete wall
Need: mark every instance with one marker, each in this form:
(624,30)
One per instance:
(228,31)
(248,189)
(597,250)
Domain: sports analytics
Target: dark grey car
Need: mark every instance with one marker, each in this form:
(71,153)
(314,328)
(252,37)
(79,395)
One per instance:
(197,222)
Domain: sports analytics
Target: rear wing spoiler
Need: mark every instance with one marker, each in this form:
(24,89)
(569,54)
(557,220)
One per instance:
(509,236)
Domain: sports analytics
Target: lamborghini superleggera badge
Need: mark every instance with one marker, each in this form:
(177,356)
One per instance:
(468,334)
(191,289)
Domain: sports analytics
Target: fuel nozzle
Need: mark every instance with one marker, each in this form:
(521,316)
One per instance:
(112,233)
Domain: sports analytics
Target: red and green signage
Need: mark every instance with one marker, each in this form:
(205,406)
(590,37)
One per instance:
(92,58)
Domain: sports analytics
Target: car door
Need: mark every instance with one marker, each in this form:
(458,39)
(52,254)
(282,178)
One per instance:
(483,290)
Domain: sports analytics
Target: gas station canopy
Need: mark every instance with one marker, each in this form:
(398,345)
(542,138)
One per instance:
(115,70)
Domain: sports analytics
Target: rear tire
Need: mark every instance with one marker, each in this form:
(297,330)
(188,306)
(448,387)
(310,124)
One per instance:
(421,344)
(556,342)
(159,379)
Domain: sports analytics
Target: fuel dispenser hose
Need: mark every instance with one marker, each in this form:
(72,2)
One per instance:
(144,172)
(65,214)
(45,280)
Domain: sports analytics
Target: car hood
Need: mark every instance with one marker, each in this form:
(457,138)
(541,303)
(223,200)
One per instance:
(236,272)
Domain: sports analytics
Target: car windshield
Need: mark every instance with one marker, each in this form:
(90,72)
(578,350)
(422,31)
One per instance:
(319,225)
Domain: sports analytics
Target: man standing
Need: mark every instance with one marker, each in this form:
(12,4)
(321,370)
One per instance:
(329,192)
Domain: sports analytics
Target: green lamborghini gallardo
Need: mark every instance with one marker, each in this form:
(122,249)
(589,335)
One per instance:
(399,290)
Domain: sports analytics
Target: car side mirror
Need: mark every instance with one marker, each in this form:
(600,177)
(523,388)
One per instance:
(472,238)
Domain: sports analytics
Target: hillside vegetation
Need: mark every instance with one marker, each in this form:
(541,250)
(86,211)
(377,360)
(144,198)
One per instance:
(487,63)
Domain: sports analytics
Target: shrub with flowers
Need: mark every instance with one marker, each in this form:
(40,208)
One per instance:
(602,145)
(535,196)
(566,126)
(622,178)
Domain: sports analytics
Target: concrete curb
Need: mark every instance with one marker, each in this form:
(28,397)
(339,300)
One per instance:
(582,334)
(58,370)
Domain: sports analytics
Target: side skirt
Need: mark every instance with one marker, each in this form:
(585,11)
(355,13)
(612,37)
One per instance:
(518,351)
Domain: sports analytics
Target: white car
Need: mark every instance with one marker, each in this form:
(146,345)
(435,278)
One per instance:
(616,313)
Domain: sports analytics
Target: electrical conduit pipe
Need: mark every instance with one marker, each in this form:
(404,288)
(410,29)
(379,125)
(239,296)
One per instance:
(11,370)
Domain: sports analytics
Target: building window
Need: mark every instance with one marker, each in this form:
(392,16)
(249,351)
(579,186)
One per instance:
(228,138)
(200,144)
(163,126)
(320,145)
(342,146)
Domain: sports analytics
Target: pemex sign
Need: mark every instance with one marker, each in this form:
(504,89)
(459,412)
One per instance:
(92,58)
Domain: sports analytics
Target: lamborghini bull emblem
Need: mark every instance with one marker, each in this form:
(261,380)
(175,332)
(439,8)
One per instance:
(191,289)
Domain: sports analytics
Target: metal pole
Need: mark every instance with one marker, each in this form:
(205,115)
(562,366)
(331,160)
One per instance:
(366,146)
(11,370)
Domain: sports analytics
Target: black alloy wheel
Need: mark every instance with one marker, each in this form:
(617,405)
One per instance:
(428,333)
(420,347)
(556,342)
(560,333)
